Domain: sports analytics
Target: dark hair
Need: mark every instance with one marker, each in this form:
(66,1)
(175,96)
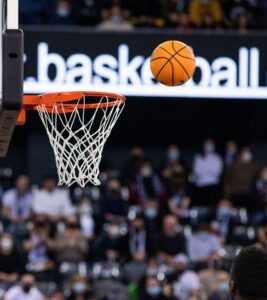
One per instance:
(249,273)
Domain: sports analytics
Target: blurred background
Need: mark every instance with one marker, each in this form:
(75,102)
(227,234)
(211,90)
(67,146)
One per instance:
(184,172)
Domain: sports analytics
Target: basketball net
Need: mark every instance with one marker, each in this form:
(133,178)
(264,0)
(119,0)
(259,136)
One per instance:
(78,139)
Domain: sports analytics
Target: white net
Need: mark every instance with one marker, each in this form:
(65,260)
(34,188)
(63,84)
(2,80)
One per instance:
(78,136)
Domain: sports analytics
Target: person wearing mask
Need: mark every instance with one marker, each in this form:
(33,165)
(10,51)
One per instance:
(153,290)
(248,274)
(170,242)
(79,288)
(187,282)
(207,170)
(52,202)
(231,151)
(201,244)
(239,179)
(213,278)
(148,184)
(10,262)
(26,290)
(260,204)
(63,13)
(87,223)
(135,268)
(70,245)
(112,204)
(17,202)
(224,213)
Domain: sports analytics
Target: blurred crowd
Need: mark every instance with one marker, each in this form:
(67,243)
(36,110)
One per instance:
(149,232)
(125,15)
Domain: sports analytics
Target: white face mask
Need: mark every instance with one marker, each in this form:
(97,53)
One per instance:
(209,148)
(247,157)
(85,209)
(6,244)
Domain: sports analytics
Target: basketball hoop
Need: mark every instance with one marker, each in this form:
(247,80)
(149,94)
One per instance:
(78,125)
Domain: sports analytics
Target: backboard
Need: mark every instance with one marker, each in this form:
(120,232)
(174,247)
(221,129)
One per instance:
(11,71)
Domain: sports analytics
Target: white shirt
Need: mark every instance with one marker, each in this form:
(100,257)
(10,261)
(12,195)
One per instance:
(207,169)
(55,203)
(17,293)
(187,282)
(200,245)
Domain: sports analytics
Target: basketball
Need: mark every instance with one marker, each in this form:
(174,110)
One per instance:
(172,63)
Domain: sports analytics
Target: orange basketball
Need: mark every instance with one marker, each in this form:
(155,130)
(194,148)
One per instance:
(172,63)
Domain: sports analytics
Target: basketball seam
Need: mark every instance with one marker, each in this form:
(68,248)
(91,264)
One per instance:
(190,58)
(169,60)
(177,52)
(161,57)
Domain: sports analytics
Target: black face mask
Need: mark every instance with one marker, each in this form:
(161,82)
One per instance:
(26,287)
(72,225)
(39,224)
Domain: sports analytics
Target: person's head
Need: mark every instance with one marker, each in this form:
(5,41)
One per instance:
(78,285)
(231,147)
(72,222)
(152,286)
(138,222)
(151,209)
(248,275)
(63,8)
(245,155)
(170,223)
(6,243)
(49,183)
(22,184)
(85,206)
(173,153)
(224,208)
(146,170)
(208,146)
(113,230)
(263,174)
(40,222)
(215,261)
(27,281)
(114,188)
(152,268)
(181,263)
(137,153)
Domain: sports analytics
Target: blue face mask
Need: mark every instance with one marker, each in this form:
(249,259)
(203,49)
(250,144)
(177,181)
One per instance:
(173,155)
(224,212)
(79,287)
(223,287)
(151,213)
(153,290)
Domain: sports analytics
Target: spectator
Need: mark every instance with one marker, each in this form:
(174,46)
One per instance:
(52,202)
(26,290)
(213,278)
(240,177)
(136,267)
(260,204)
(148,184)
(70,245)
(173,157)
(113,206)
(115,21)
(201,244)
(10,263)
(87,223)
(17,202)
(170,242)
(111,244)
(231,150)
(153,290)
(80,289)
(200,9)
(37,246)
(207,171)
(63,13)
(86,12)
(223,216)
(187,283)
(248,280)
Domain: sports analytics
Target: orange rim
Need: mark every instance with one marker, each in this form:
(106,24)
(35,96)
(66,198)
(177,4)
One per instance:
(31,102)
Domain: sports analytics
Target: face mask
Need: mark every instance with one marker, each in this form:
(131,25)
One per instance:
(117,19)
(223,287)
(114,231)
(224,212)
(231,151)
(6,244)
(79,287)
(39,223)
(146,172)
(63,13)
(216,265)
(26,287)
(173,155)
(150,213)
(153,290)
(247,157)
(72,225)
(209,148)
(85,209)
